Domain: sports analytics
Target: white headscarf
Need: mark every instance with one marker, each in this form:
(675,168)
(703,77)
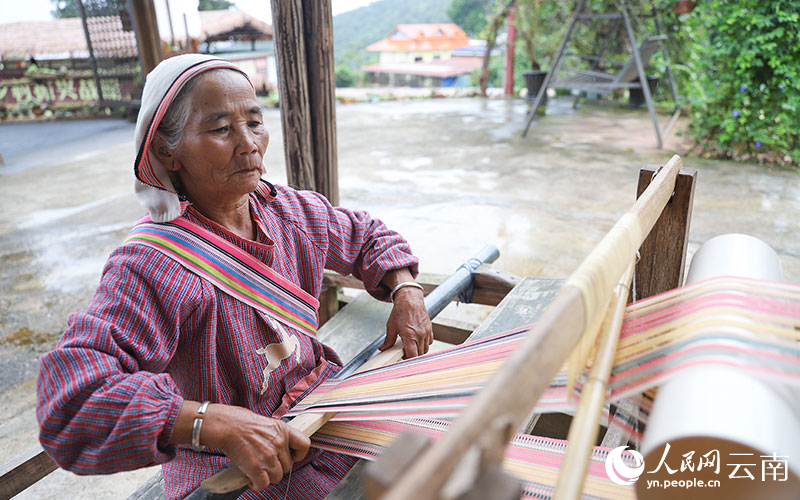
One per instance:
(153,187)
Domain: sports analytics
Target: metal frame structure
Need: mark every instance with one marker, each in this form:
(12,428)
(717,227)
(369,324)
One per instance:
(113,51)
(595,81)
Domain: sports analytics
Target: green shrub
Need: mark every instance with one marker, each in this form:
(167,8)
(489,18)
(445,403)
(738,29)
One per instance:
(744,78)
(345,77)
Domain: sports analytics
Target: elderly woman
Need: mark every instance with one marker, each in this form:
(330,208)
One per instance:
(201,333)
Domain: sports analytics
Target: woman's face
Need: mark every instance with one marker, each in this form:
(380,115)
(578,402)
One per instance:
(219,160)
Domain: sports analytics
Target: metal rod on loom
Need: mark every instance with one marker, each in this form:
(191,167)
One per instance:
(512,392)
(435,302)
(583,429)
(230,482)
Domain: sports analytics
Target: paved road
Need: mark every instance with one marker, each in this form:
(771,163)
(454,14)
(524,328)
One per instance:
(36,144)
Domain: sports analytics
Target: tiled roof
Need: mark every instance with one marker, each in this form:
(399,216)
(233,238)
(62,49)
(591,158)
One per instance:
(219,24)
(59,38)
(422,37)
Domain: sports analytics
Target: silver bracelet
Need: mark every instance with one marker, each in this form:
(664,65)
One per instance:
(197,426)
(403,285)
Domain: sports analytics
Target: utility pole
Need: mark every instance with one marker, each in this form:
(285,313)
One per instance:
(511,42)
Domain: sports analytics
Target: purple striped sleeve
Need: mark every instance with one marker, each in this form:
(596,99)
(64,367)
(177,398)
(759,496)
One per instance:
(356,243)
(103,406)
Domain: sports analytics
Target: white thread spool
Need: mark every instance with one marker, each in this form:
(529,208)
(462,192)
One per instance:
(706,408)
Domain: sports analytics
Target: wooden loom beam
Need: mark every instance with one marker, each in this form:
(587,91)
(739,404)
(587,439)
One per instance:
(510,394)
(660,268)
(583,430)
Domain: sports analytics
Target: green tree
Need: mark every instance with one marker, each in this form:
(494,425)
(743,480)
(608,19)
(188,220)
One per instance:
(355,29)
(541,26)
(215,5)
(469,15)
(64,8)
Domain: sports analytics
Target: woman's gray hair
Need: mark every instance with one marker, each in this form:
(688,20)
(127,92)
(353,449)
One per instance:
(177,115)
(175,118)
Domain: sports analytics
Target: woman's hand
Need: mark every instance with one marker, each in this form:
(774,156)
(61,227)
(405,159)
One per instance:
(409,319)
(264,448)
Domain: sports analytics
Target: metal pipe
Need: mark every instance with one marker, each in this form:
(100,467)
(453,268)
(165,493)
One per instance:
(434,302)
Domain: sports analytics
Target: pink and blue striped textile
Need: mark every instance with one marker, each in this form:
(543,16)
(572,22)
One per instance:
(230,269)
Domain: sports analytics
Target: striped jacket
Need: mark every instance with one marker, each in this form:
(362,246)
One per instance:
(155,333)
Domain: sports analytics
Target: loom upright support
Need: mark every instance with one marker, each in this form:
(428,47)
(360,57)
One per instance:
(662,259)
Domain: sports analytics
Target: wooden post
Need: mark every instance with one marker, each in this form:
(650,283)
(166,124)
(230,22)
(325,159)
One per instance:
(328,305)
(290,48)
(321,78)
(144,18)
(663,253)
(317,35)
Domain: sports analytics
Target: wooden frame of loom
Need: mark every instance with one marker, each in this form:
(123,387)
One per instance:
(505,401)
(667,204)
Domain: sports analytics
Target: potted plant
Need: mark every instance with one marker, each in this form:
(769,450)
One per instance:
(540,26)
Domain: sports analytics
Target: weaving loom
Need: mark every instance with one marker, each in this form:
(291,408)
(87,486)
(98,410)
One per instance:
(490,385)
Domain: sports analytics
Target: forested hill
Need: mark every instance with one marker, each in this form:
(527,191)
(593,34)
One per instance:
(354,30)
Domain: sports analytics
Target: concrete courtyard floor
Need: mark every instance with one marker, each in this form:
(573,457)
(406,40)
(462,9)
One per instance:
(450,174)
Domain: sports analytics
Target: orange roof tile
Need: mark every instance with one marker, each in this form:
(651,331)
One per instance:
(422,37)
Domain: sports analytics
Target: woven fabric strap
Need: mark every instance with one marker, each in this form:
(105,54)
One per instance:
(534,460)
(230,269)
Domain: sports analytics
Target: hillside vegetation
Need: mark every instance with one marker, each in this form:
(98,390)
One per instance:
(354,30)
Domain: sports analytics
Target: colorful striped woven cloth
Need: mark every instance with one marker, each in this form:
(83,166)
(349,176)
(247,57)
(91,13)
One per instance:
(750,324)
(230,269)
(534,460)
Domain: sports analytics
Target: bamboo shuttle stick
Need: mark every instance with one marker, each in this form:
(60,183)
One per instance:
(584,426)
(513,391)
